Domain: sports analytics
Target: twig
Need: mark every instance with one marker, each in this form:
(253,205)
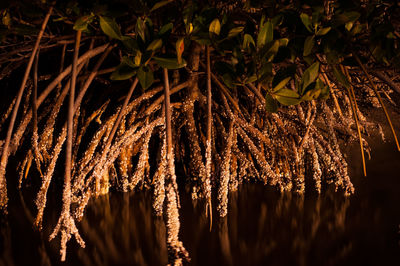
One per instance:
(225,91)
(333,93)
(354,108)
(91,76)
(167,112)
(62,62)
(257,93)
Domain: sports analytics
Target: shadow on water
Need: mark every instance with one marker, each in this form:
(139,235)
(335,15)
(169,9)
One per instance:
(263,227)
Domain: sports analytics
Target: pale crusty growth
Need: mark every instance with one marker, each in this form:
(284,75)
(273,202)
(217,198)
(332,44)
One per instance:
(281,149)
(175,246)
(159,179)
(86,163)
(142,165)
(207,182)
(197,166)
(66,226)
(5,115)
(42,194)
(225,175)
(317,172)
(94,116)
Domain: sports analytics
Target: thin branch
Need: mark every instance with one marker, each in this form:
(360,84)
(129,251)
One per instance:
(225,91)
(354,108)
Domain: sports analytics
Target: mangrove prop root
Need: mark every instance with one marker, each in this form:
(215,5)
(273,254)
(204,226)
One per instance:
(222,139)
(66,223)
(4,155)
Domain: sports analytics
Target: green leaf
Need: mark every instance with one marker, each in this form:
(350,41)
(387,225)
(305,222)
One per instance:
(317,90)
(128,61)
(169,63)
(202,41)
(228,81)
(310,75)
(349,25)
(270,104)
(345,17)
(341,77)
(285,100)
(165,29)
(140,29)
(287,93)
(138,58)
(311,95)
(306,21)
(250,79)
(235,31)
(215,27)
(308,45)
(270,54)
(277,20)
(130,43)
(155,45)
(123,72)
(265,35)
(324,93)
(160,4)
(308,59)
(358,28)
(110,27)
(323,31)
(265,72)
(83,22)
(281,84)
(5,17)
(145,76)
(247,41)
(283,42)
(180,47)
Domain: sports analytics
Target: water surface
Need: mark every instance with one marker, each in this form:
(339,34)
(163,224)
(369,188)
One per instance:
(263,227)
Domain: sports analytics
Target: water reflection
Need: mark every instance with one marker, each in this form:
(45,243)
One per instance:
(263,227)
(266,227)
(121,229)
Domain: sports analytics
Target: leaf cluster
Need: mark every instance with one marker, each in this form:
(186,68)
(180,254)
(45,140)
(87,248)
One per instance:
(280,46)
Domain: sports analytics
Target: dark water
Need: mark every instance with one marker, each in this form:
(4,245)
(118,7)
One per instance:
(263,227)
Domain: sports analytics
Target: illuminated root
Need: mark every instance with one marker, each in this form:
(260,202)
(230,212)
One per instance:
(142,165)
(297,146)
(67,228)
(159,180)
(176,250)
(225,175)
(41,198)
(198,170)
